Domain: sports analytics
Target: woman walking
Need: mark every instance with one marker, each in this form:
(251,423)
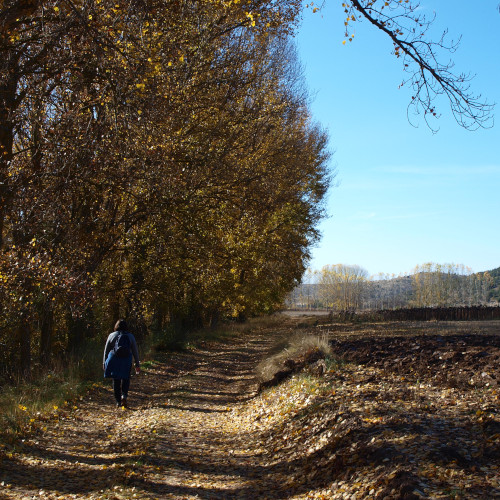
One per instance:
(117,361)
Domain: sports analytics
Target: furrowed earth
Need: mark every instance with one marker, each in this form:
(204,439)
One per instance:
(403,411)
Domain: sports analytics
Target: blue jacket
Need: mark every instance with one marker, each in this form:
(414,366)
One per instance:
(115,367)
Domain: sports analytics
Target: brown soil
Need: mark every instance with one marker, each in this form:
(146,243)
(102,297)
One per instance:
(454,354)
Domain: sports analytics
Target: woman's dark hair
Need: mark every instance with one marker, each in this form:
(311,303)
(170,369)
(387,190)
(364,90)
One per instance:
(121,325)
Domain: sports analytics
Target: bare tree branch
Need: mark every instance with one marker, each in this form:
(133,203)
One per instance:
(428,76)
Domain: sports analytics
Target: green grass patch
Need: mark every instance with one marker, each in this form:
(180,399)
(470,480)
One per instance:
(210,335)
(334,363)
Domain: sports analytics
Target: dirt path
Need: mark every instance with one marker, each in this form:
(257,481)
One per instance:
(177,440)
(410,411)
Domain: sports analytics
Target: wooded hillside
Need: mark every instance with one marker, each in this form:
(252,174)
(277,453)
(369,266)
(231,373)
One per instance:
(494,292)
(348,288)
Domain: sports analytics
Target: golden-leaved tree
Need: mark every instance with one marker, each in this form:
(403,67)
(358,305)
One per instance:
(158,160)
(342,287)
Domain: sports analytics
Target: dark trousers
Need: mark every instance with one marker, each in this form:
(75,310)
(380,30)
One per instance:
(120,388)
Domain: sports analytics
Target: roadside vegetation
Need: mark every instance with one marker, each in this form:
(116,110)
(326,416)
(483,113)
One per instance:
(347,289)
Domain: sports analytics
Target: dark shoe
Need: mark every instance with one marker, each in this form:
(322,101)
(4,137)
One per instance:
(124,402)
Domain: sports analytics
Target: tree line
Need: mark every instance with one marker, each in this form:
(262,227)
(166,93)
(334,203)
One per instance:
(158,161)
(346,289)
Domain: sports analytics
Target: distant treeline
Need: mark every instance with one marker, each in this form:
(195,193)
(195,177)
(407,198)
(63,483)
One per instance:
(342,289)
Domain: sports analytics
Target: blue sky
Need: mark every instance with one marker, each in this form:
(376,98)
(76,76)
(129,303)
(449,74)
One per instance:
(405,196)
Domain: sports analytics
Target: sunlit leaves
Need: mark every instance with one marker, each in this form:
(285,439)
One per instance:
(157,148)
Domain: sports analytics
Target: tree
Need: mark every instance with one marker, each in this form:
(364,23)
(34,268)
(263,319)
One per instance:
(162,164)
(448,285)
(342,287)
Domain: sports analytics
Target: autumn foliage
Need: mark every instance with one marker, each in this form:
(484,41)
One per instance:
(157,161)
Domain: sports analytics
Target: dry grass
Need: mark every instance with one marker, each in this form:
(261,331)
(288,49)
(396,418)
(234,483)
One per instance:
(294,347)
(22,404)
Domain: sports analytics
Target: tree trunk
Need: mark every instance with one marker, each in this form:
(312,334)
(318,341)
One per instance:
(158,318)
(25,345)
(46,331)
(6,141)
(114,311)
(9,79)
(77,329)
(214,319)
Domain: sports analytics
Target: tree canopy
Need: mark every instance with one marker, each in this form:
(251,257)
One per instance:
(158,160)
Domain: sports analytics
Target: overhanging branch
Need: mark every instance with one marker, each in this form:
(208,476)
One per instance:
(428,77)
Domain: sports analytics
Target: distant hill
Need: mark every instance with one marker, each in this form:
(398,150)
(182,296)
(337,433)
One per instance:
(495,289)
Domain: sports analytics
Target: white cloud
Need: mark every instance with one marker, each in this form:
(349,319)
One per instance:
(441,170)
(363,216)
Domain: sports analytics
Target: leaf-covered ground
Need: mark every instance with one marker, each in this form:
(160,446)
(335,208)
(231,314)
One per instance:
(397,420)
